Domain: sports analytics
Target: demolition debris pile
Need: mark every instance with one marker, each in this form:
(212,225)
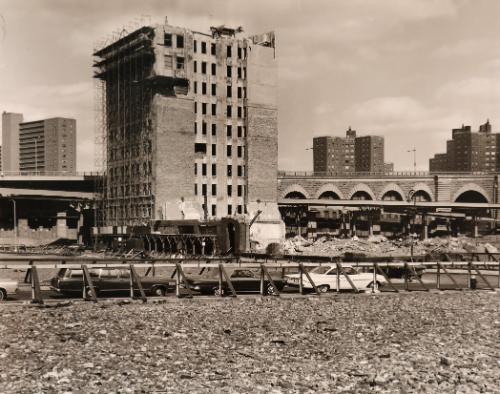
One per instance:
(334,344)
(379,245)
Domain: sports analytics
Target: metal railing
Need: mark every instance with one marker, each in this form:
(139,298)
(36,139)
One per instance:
(395,174)
(442,269)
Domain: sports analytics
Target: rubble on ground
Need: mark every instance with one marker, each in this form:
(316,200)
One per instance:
(378,245)
(403,343)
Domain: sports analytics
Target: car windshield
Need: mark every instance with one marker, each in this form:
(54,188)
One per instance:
(322,269)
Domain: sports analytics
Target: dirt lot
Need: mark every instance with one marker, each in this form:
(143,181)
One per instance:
(413,342)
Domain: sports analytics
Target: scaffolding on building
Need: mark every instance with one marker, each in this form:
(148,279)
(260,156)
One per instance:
(123,135)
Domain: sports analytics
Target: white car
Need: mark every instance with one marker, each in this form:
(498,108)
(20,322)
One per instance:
(8,287)
(325,278)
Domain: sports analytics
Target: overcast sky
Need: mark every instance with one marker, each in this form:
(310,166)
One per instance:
(409,70)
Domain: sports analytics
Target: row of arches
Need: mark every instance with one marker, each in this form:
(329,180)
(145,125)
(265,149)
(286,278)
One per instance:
(470,193)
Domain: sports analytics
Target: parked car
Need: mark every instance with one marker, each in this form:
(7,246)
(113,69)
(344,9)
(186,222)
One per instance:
(69,281)
(325,278)
(8,287)
(243,280)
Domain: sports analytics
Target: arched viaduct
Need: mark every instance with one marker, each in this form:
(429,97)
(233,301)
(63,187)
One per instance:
(397,186)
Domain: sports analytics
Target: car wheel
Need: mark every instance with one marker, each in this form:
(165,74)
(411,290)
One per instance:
(323,288)
(3,295)
(160,291)
(270,290)
(88,292)
(219,292)
(372,286)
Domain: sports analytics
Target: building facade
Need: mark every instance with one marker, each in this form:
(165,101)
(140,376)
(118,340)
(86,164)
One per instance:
(469,151)
(48,146)
(10,141)
(190,123)
(349,154)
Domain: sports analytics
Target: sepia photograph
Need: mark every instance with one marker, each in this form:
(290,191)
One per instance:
(249,196)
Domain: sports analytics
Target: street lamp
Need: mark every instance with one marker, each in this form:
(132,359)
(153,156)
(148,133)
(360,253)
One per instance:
(414,160)
(412,196)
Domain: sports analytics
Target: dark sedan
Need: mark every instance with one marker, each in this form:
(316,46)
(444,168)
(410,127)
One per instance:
(243,280)
(107,280)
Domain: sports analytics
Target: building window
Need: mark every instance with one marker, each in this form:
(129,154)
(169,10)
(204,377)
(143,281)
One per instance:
(239,72)
(240,209)
(180,41)
(195,66)
(229,52)
(214,129)
(244,92)
(214,109)
(239,131)
(167,39)
(204,128)
(229,91)
(195,87)
(214,170)
(240,190)
(195,107)
(229,190)
(239,53)
(214,150)
(203,88)
(195,169)
(239,92)
(204,169)
(240,151)
(240,171)
(214,89)
(212,49)
(204,108)
(229,170)
(195,189)
(214,209)
(203,47)
(229,130)
(167,62)
(195,46)
(180,62)
(229,111)
(229,150)
(229,209)
(214,68)
(200,147)
(240,112)
(203,67)
(228,71)
(195,127)
(204,189)
(214,190)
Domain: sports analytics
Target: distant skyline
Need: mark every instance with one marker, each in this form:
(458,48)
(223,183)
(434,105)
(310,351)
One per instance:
(409,70)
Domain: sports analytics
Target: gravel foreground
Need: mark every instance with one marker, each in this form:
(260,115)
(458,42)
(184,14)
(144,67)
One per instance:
(402,343)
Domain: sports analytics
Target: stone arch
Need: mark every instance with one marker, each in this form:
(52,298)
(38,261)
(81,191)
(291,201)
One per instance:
(471,187)
(297,189)
(329,188)
(422,187)
(391,187)
(362,187)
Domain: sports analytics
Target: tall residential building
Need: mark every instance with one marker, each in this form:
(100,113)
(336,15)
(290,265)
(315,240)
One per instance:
(334,155)
(369,154)
(469,151)
(347,155)
(10,141)
(190,124)
(48,146)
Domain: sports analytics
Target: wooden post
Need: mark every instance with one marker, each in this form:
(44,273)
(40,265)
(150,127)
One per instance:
(449,276)
(36,292)
(338,280)
(381,271)
(484,279)
(271,281)
(87,281)
(406,276)
(182,277)
(261,280)
(27,277)
(228,280)
(351,283)
(374,278)
(438,279)
(220,279)
(135,278)
(301,279)
(310,279)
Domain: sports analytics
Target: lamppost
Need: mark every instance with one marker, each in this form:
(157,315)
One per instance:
(412,196)
(414,150)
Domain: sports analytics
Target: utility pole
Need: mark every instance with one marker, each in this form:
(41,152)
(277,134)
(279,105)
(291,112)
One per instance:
(414,160)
